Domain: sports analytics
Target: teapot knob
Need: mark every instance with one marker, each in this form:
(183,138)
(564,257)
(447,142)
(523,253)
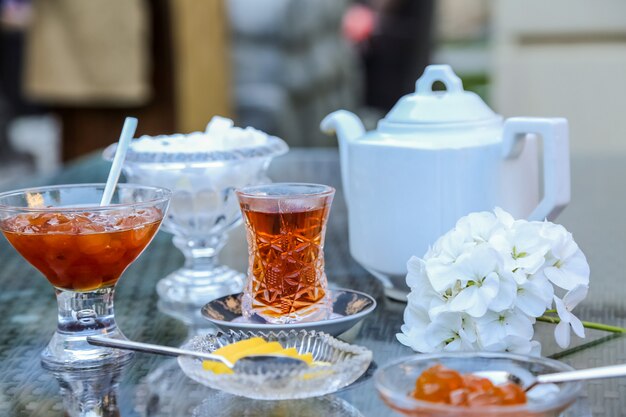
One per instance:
(434,73)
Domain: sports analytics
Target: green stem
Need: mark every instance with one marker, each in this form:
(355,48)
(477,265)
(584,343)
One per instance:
(584,346)
(586,324)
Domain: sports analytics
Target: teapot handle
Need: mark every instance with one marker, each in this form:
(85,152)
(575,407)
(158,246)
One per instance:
(556,170)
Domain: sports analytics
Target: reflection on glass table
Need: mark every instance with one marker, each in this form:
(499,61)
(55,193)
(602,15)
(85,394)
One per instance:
(92,392)
(224,405)
(167,392)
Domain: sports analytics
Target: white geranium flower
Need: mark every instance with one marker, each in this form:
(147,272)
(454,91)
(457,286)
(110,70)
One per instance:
(413,330)
(443,255)
(441,275)
(450,246)
(422,293)
(495,327)
(503,217)
(506,294)
(413,337)
(534,296)
(479,226)
(416,276)
(431,304)
(483,284)
(567,266)
(515,344)
(564,309)
(449,333)
(477,280)
(523,249)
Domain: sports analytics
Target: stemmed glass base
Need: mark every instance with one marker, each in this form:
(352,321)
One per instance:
(83,314)
(200,280)
(185,291)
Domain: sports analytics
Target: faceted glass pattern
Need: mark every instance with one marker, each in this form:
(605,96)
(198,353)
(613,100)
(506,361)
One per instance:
(286,225)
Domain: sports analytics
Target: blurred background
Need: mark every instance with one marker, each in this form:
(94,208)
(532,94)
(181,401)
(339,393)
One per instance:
(71,70)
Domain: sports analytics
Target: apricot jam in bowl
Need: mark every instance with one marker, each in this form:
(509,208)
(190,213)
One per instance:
(442,385)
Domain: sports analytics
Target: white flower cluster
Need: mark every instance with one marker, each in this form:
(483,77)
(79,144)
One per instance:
(483,284)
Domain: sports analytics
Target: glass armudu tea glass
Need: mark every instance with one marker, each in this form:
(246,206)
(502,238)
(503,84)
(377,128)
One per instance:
(203,210)
(82,249)
(286,224)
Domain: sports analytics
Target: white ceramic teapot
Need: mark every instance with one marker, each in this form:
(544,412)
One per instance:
(435,157)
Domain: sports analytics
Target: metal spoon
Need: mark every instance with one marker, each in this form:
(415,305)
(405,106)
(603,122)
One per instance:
(501,377)
(247,364)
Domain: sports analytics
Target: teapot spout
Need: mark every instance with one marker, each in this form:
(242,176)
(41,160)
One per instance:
(348,127)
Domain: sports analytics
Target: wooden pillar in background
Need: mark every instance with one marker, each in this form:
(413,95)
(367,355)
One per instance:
(201,62)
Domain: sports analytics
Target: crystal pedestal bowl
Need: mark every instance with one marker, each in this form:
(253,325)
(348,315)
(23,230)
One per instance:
(203,176)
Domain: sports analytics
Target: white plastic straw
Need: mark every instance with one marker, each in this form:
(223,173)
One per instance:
(128,131)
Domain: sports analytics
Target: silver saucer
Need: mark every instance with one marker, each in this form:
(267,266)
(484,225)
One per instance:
(349,308)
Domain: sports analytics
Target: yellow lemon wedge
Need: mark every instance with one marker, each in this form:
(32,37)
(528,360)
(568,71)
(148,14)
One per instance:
(253,346)
(242,345)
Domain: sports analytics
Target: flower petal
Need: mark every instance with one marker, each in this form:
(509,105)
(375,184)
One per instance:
(415,317)
(561,310)
(483,261)
(490,328)
(563,278)
(517,324)
(445,326)
(506,295)
(577,326)
(467,333)
(491,285)
(414,339)
(503,217)
(479,225)
(562,334)
(575,296)
(416,276)
(455,346)
(441,276)
(520,276)
(534,296)
(469,301)
(578,267)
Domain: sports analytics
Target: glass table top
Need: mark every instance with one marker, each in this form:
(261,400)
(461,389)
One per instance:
(154,386)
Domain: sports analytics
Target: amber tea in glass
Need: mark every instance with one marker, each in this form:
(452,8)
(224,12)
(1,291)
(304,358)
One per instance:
(285,226)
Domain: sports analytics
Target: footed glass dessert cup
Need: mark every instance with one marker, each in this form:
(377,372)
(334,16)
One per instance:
(203,209)
(82,249)
(286,224)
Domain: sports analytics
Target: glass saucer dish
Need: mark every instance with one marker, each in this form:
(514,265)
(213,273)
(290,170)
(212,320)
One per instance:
(346,363)
(396,380)
(349,307)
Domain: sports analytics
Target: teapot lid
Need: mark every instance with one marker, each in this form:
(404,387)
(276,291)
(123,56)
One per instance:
(425,106)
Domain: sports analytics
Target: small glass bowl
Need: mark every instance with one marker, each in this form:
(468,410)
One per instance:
(396,380)
(346,364)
